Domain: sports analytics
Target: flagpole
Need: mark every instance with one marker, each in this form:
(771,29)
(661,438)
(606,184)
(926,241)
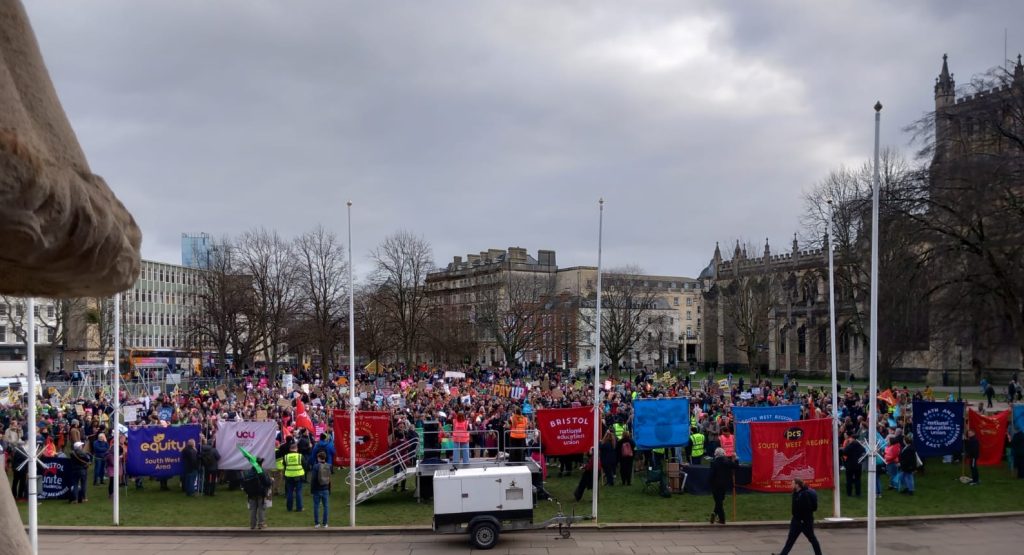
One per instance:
(32,450)
(351,382)
(873,347)
(597,366)
(835,379)
(117,409)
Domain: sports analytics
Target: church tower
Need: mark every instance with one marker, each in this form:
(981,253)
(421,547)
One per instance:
(945,99)
(945,87)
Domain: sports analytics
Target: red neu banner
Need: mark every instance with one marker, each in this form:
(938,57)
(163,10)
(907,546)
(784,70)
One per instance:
(566,431)
(783,451)
(991,432)
(371,436)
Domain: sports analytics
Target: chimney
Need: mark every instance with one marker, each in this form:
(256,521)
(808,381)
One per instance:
(457,261)
(517,255)
(546,257)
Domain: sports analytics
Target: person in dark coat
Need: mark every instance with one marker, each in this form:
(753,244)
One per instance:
(79,463)
(626,452)
(211,468)
(972,448)
(1017,452)
(190,463)
(805,502)
(908,466)
(609,457)
(722,469)
(855,463)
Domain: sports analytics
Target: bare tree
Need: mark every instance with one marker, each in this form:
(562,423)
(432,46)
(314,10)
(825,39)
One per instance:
(509,311)
(746,303)
(220,317)
(321,270)
(269,263)
(376,336)
(629,312)
(402,262)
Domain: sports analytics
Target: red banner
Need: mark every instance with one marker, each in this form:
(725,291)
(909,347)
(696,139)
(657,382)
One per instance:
(566,431)
(991,432)
(371,436)
(783,451)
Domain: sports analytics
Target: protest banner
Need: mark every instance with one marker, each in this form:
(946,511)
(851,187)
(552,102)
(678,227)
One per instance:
(661,422)
(784,451)
(371,436)
(566,431)
(55,478)
(1018,417)
(938,428)
(288,382)
(256,437)
(156,451)
(991,433)
(745,415)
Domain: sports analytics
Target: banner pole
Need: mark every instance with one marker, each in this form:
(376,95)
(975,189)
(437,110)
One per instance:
(597,365)
(734,496)
(351,382)
(117,409)
(32,450)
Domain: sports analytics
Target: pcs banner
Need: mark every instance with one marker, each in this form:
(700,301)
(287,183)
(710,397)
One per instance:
(371,436)
(661,422)
(938,428)
(156,451)
(784,451)
(745,415)
(566,431)
(256,437)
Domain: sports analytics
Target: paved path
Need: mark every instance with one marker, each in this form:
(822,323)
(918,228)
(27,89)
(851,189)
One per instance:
(962,537)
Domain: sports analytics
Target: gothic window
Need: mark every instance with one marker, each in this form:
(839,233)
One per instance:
(844,342)
(822,341)
(782,342)
(801,340)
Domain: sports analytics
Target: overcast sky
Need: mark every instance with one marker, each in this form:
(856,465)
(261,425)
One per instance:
(493,124)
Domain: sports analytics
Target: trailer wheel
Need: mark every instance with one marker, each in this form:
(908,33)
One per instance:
(484,535)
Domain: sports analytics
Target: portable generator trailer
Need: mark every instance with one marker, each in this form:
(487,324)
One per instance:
(486,501)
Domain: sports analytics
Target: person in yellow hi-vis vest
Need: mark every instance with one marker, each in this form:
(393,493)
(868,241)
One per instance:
(696,446)
(294,477)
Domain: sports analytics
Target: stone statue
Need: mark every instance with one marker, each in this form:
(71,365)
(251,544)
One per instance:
(63,233)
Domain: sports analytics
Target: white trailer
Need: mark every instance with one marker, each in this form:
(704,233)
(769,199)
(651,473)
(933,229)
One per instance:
(485,501)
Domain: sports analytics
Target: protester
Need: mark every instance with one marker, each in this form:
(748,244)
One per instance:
(211,468)
(607,456)
(191,465)
(79,471)
(294,477)
(972,449)
(722,469)
(99,453)
(805,503)
(320,489)
(908,466)
(256,485)
(854,466)
(626,453)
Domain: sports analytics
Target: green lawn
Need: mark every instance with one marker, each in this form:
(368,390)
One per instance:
(938,492)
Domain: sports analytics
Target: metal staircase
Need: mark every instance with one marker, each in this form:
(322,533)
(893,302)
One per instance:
(377,475)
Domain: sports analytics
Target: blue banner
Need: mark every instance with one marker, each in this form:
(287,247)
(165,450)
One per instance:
(156,451)
(661,422)
(938,428)
(55,477)
(745,415)
(1018,417)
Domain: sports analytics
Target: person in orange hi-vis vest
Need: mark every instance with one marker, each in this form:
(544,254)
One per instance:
(517,437)
(460,436)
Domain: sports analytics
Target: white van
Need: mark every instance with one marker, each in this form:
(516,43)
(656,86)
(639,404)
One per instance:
(14,375)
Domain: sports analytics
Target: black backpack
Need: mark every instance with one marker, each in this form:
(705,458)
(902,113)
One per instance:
(254,485)
(812,499)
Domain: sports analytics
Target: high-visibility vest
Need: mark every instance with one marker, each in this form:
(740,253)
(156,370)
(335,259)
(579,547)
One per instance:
(658,450)
(728,442)
(293,466)
(279,464)
(619,429)
(698,444)
(518,427)
(460,431)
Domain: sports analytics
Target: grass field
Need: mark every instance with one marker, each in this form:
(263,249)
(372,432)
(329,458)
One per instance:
(938,492)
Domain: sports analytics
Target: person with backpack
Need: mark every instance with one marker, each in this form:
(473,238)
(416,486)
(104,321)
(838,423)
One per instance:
(326,445)
(256,486)
(211,468)
(320,489)
(805,502)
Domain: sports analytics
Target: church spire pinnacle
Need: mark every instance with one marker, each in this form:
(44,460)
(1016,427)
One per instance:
(1018,71)
(945,86)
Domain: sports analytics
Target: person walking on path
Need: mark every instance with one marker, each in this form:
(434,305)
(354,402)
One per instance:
(805,502)
(256,486)
(722,469)
(320,489)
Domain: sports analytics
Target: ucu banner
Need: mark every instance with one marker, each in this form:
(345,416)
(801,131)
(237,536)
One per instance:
(661,422)
(256,437)
(156,451)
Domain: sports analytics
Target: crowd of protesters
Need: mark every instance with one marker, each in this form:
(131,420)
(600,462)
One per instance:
(481,411)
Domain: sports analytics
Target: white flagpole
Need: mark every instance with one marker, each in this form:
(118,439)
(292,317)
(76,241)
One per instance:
(597,366)
(872,401)
(117,409)
(836,515)
(351,382)
(31,449)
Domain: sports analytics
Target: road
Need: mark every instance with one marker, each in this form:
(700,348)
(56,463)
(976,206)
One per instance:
(966,536)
